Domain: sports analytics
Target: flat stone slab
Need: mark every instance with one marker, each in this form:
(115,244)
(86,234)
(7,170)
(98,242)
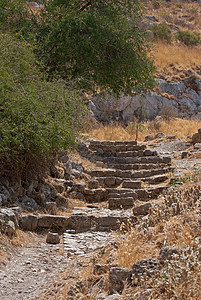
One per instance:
(100,219)
(85,243)
(48,221)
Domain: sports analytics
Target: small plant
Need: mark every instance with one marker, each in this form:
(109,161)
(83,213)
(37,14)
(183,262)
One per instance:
(188,38)
(156,4)
(178,5)
(162,31)
(192,83)
(185,179)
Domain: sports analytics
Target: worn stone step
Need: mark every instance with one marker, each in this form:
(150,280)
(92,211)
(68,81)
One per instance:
(131,184)
(136,153)
(111,146)
(109,181)
(136,167)
(155,179)
(52,221)
(111,174)
(149,193)
(137,160)
(95,195)
(140,194)
(149,173)
(123,203)
(100,219)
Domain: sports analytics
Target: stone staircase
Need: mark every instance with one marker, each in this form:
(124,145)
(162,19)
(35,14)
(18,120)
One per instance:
(127,176)
(131,172)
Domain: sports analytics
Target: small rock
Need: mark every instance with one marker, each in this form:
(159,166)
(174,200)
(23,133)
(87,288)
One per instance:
(93,184)
(184,154)
(149,137)
(51,207)
(145,295)
(146,266)
(9,214)
(29,222)
(117,278)
(100,269)
(100,164)
(171,137)
(166,253)
(29,204)
(197,146)
(9,228)
(52,238)
(160,135)
(61,201)
(142,209)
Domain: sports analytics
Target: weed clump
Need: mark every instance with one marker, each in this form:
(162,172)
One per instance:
(162,32)
(188,38)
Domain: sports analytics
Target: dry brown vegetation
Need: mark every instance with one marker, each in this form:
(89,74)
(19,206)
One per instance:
(179,127)
(174,222)
(175,61)
(8,245)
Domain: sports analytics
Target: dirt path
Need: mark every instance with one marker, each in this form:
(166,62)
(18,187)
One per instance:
(31,269)
(34,268)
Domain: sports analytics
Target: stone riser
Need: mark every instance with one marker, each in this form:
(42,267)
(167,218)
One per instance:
(139,153)
(137,160)
(102,223)
(102,195)
(115,149)
(117,176)
(83,222)
(137,167)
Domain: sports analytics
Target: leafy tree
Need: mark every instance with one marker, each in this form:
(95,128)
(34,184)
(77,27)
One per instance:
(37,117)
(97,42)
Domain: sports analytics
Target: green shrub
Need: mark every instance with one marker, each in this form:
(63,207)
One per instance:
(162,31)
(37,117)
(188,38)
(87,40)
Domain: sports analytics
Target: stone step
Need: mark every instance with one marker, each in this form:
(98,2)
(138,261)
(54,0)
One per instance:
(83,219)
(155,179)
(110,146)
(123,203)
(95,195)
(111,177)
(99,219)
(132,184)
(137,160)
(149,173)
(139,153)
(139,194)
(136,167)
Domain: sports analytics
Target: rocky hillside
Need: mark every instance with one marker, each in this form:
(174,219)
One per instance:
(174,29)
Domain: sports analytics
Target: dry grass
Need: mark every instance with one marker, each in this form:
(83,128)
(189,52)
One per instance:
(175,62)
(184,15)
(179,127)
(8,245)
(168,225)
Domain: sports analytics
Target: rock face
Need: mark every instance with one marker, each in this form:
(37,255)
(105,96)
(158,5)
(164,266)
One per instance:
(176,99)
